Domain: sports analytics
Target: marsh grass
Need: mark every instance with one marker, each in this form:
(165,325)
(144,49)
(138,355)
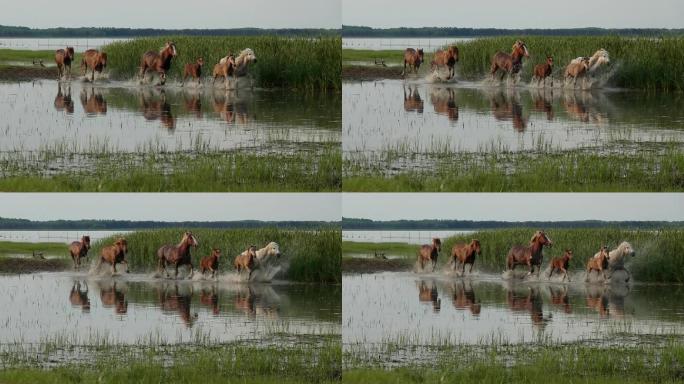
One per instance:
(26,248)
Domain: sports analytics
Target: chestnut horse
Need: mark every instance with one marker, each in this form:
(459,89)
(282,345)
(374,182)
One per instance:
(79,250)
(193,70)
(616,258)
(447,58)
(561,264)
(542,71)
(413,59)
(210,263)
(224,69)
(599,263)
(63,58)
(246,261)
(159,62)
(95,60)
(114,254)
(530,255)
(576,70)
(512,63)
(177,255)
(465,254)
(430,253)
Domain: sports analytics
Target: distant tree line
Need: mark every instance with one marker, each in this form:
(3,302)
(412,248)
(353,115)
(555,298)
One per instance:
(366,224)
(93,32)
(360,31)
(23,224)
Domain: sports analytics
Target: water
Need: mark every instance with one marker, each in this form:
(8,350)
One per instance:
(400,43)
(124,117)
(409,237)
(135,308)
(39,44)
(433,309)
(66,237)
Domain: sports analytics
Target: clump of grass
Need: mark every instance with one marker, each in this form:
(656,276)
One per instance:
(312,256)
(24,248)
(303,63)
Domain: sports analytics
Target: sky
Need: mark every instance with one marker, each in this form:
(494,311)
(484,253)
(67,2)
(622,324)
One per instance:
(172,14)
(515,206)
(514,14)
(172,206)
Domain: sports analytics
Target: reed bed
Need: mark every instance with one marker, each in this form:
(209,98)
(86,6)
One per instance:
(302,63)
(310,256)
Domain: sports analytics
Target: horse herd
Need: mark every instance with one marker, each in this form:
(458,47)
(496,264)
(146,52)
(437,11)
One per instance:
(177,255)
(509,64)
(158,62)
(530,255)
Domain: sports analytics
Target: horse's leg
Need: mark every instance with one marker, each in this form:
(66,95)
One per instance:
(126,262)
(249,277)
(192,270)
(471,268)
(176,276)
(114,267)
(565,273)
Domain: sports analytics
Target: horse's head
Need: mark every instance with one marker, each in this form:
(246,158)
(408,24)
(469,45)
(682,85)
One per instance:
(86,241)
(246,57)
(251,251)
(420,53)
(568,254)
(453,52)
(549,60)
(70,52)
(215,252)
(475,245)
(437,244)
(627,249)
(103,59)
(541,238)
(170,47)
(190,240)
(520,49)
(604,254)
(200,61)
(274,249)
(122,245)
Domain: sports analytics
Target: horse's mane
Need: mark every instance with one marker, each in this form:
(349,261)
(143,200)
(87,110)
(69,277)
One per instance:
(239,61)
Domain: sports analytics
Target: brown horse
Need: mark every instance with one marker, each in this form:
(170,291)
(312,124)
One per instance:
(177,255)
(412,101)
(413,59)
(447,58)
(246,260)
(159,62)
(577,70)
(430,253)
(95,60)
(561,264)
(210,263)
(63,58)
(63,101)
(224,69)
(542,71)
(79,250)
(79,297)
(93,102)
(193,70)
(509,64)
(530,255)
(598,263)
(465,254)
(114,254)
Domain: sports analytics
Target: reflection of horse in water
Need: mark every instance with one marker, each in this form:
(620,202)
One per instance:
(607,301)
(542,102)
(559,297)
(230,107)
(507,107)
(427,293)
(193,102)
(257,300)
(63,101)
(412,100)
(444,102)
(209,298)
(584,107)
(93,102)
(463,297)
(113,296)
(177,301)
(527,299)
(154,106)
(79,297)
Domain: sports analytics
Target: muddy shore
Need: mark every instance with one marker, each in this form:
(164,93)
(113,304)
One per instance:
(361,265)
(17,265)
(25,73)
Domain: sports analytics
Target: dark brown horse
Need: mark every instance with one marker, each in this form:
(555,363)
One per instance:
(210,263)
(114,254)
(94,60)
(561,264)
(429,253)
(447,58)
(542,71)
(413,59)
(159,62)
(509,64)
(63,58)
(177,255)
(412,101)
(93,102)
(79,250)
(530,255)
(63,101)
(465,254)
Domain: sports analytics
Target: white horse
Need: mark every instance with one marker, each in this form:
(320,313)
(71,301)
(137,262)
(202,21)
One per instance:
(616,258)
(600,58)
(242,62)
(269,252)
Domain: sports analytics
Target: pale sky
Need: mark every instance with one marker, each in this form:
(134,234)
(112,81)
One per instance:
(172,13)
(515,206)
(514,14)
(172,206)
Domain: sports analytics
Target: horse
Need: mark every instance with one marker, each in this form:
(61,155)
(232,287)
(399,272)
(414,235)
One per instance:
(598,263)
(243,61)
(616,258)
(465,254)
(210,263)
(63,101)
(193,70)
(542,71)
(413,59)
(79,297)
(95,60)
(444,102)
(428,294)
(430,253)
(79,250)
(561,264)
(93,103)
(512,63)
(270,251)
(159,62)
(576,70)
(530,255)
(224,68)
(447,58)
(598,59)
(114,254)
(412,101)
(177,255)
(245,260)
(63,58)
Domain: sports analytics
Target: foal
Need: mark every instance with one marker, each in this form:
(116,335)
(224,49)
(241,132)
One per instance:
(600,263)
(542,71)
(561,264)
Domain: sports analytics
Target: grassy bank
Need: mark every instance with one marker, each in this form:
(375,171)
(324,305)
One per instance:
(302,63)
(311,256)
(368,249)
(27,249)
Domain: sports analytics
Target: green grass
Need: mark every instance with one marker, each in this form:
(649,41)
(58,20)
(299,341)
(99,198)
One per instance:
(25,248)
(312,256)
(302,63)
(368,249)
(48,56)
(390,56)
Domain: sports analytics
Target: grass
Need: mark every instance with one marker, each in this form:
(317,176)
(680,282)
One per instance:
(369,249)
(25,248)
(312,256)
(302,63)
(22,55)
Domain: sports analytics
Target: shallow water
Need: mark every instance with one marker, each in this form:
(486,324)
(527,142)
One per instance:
(410,237)
(122,116)
(400,43)
(130,309)
(417,117)
(432,309)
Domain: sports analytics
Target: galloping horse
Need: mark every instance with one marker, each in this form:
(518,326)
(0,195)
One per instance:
(542,71)
(446,58)
(159,62)
(95,60)
(597,60)
(114,254)
(465,254)
(512,63)
(177,255)
(576,70)
(210,263)
(413,59)
(270,251)
(79,250)
(243,61)
(430,253)
(561,264)
(616,258)
(63,59)
(224,68)
(599,263)
(193,70)
(245,260)
(530,255)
